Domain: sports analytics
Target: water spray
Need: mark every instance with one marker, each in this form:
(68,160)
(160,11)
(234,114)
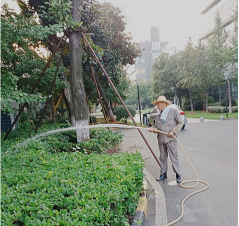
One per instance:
(128,127)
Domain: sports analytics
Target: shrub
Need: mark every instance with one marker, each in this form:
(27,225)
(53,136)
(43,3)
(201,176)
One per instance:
(93,119)
(186,108)
(223,103)
(41,187)
(198,105)
(215,109)
(187,103)
(235,109)
(210,100)
(121,113)
(214,104)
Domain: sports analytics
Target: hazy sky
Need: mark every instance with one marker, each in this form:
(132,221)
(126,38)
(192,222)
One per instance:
(176,19)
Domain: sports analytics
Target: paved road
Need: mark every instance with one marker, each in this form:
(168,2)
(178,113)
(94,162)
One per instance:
(212,148)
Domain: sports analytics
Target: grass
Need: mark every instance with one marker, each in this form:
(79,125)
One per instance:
(199,114)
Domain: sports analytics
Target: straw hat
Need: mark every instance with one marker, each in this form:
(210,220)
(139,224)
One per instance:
(162,99)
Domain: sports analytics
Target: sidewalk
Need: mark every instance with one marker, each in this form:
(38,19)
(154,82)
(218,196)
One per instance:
(157,215)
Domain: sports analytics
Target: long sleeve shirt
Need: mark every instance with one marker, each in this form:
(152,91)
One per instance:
(173,123)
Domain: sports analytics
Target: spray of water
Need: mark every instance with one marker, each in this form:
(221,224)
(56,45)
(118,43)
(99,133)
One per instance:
(18,146)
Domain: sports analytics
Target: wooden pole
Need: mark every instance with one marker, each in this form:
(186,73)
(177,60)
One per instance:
(111,83)
(98,92)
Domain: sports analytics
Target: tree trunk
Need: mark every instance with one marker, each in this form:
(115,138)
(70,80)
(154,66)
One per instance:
(206,94)
(107,104)
(191,99)
(76,78)
(220,98)
(180,101)
(229,95)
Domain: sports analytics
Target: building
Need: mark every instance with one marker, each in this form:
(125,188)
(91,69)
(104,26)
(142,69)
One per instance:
(150,51)
(8,119)
(226,9)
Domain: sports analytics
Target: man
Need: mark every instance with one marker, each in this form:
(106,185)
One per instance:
(170,121)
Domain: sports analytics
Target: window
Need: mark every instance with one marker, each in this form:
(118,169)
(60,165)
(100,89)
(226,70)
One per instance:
(155,45)
(139,71)
(155,55)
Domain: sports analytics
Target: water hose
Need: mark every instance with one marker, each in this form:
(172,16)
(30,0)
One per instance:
(131,127)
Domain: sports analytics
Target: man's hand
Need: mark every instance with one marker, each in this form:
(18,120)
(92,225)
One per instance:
(152,130)
(171,134)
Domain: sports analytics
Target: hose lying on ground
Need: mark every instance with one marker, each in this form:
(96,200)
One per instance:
(130,127)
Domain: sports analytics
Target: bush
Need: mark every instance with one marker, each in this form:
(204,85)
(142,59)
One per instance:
(215,109)
(93,119)
(198,105)
(235,109)
(210,100)
(69,188)
(121,113)
(186,103)
(214,104)
(39,188)
(223,103)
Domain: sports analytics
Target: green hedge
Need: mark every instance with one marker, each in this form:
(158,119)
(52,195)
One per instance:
(121,113)
(218,109)
(40,187)
(223,103)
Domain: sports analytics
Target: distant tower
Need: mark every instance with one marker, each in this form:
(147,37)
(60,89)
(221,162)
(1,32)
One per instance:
(154,34)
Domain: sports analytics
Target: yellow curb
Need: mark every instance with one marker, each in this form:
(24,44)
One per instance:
(143,201)
(143,205)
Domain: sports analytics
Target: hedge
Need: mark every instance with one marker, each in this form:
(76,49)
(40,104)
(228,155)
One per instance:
(68,188)
(217,109)
(121,113)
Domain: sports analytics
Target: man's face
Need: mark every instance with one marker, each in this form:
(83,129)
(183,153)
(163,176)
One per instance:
(161,105)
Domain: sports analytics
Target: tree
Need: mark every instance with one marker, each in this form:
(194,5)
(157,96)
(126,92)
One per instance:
(218,52)
(108,25)
(187,73)
(205,79)
(233,50)
(145,94)
(22,62)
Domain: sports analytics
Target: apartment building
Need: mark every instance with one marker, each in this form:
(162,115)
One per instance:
(226,8)
(150,51)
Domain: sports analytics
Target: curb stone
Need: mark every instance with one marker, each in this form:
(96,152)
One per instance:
(142,209)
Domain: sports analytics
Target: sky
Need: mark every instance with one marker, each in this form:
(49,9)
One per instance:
(177,20)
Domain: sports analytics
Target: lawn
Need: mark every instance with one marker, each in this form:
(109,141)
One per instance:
(198,114)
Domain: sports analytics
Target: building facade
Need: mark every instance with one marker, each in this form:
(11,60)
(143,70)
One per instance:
(226,9)
(7,119)
(150,51)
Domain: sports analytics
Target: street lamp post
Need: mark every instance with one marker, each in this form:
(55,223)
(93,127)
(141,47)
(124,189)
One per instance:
(139,102)
(226,95)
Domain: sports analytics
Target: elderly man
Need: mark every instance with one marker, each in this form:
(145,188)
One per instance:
(169,121)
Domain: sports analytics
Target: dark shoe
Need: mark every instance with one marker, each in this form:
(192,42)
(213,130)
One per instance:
(178,178)
(162,177)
